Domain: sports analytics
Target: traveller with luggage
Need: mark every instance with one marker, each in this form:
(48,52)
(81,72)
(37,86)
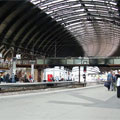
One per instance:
(109,80)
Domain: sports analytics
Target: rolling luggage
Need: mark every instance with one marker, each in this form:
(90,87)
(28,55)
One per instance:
(107,84)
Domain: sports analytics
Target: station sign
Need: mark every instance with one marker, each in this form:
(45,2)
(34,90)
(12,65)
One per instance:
(40,61)
(18,56)
(69,61)
(32,61)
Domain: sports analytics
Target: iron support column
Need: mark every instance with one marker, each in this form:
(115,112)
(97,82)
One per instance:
(79,74)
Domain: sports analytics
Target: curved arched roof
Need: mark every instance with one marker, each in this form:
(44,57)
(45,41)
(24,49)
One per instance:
(24,28)
(94,23)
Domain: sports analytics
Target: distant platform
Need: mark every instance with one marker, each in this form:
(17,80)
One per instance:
(10,87)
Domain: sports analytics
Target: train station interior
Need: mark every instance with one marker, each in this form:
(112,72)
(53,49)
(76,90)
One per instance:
(31,30)
(60,53)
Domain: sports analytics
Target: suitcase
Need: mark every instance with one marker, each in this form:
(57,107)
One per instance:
(118,91)
(106,84)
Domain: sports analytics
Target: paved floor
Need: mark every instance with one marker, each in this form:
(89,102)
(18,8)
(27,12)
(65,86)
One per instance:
(78,104)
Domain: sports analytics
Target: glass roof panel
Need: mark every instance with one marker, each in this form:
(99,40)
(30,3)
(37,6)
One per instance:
(90,21)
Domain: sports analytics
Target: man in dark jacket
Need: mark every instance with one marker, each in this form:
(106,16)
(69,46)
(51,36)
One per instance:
(109,79)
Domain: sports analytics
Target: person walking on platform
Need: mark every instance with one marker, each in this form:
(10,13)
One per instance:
(13,78)
(118,84)
(7,77)
(109,80)
(114,81)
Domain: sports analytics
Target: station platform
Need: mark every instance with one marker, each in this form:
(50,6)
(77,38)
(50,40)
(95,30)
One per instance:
(12,87)
(88,103)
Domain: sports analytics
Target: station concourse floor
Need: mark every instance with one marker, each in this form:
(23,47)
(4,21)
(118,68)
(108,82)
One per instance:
(90,103)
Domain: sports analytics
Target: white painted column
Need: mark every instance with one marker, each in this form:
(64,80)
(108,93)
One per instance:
(44,74)
(32,72)
(14,67)
(13,70)
(54,73)
(64,74)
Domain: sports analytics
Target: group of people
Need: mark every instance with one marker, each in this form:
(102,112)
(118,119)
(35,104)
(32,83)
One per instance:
(113,82)
(7,78)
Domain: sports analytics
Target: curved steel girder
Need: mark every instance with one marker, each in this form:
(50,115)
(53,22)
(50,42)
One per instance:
(33,38)
(63,49)
(56,38)
(48,24)
(60,52)
(44,41)
(75,18)
(52,8)
(54,28)
(27,17)
(49,37)
(10,8)
(1,48)
(28,27)
(81,25)
(95,20)
(115,20)
(21,34)
(57,35)
(15,17)
(73,12)
(42,30)
(66,8)
(58,4)
(99,3)
(30,19)
(61,41)
(102,34)
(70,40)
(51,50)
(5,53)
(68,15)
(9,52)
(80,31)
(61,45)
(78,50)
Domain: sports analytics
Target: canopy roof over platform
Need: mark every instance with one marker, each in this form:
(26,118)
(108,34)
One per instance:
(60,27)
